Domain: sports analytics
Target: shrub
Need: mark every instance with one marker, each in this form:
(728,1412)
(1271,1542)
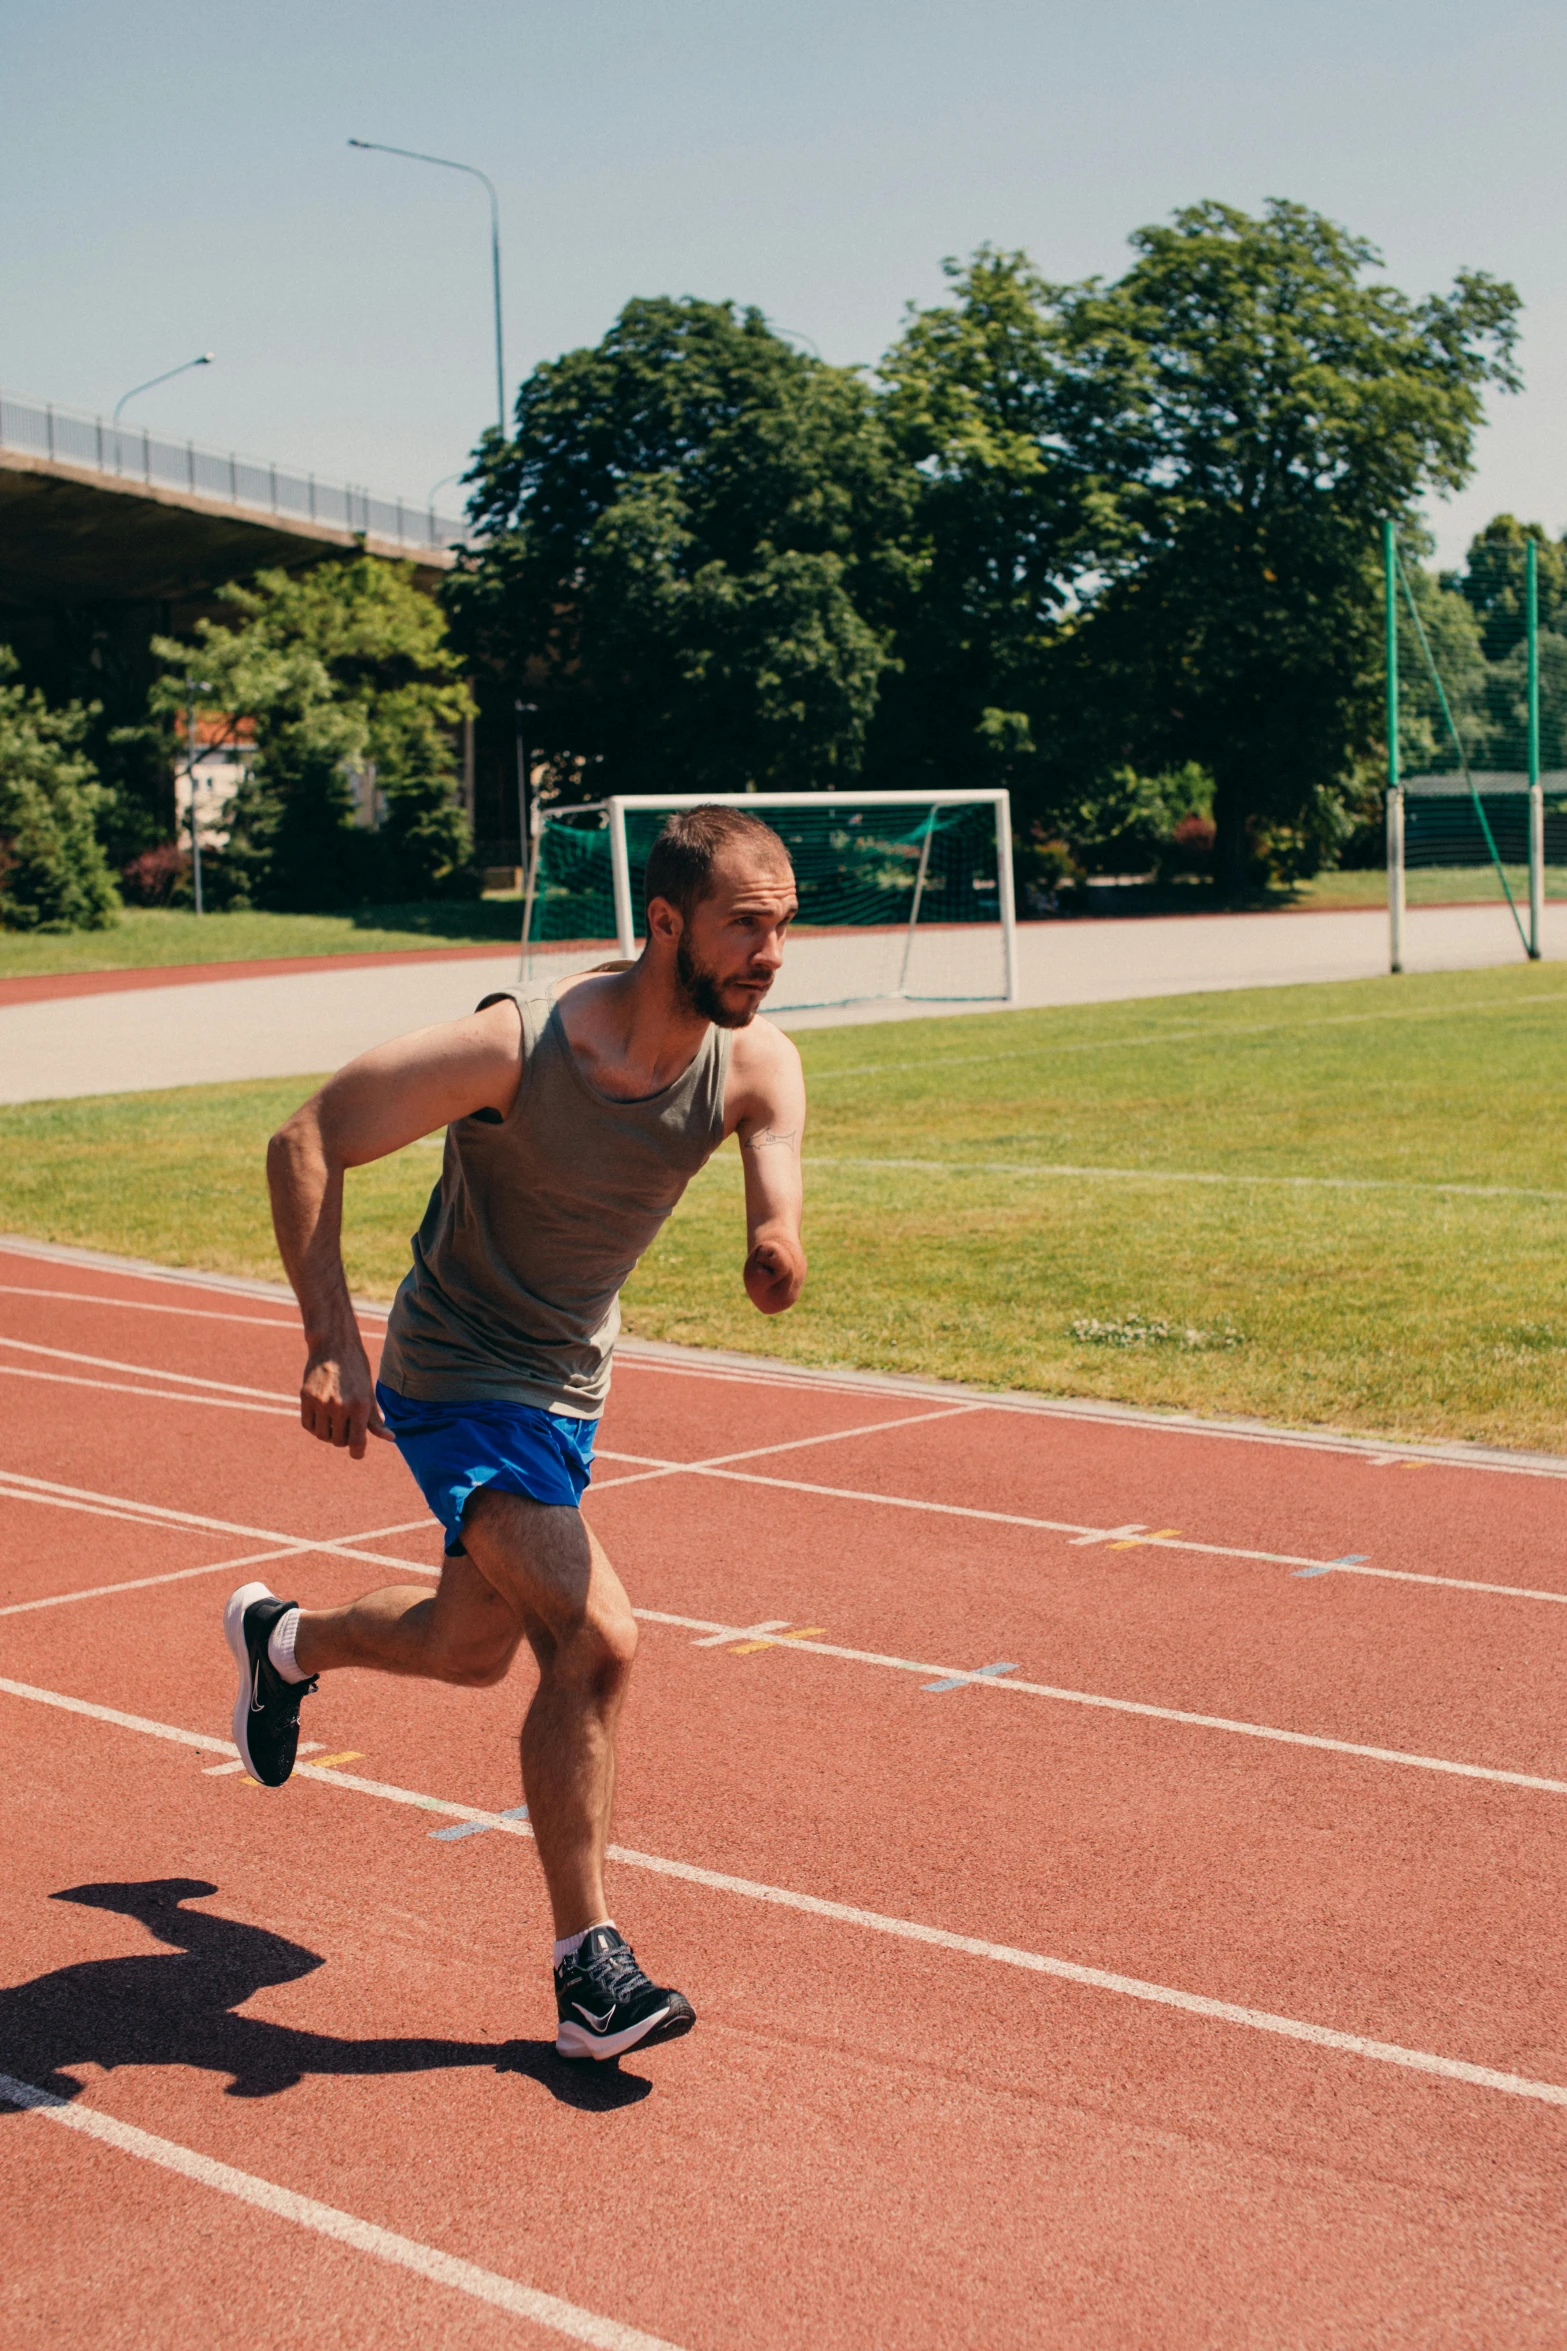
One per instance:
(53,874)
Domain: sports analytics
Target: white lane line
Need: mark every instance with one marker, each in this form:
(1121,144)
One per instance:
(875,1428)
(129,1516)
(254,1322)
(271,1396)
(344,2228)
(1052,1171)
(65,1379)
(1009,1518)
(1068,1527)
(1098,1979)
(1060,1526)
(16,1485)
(650,1356)
(178,1575)
(715,1635)
(184,1575)
(287,1547)
(151,1371)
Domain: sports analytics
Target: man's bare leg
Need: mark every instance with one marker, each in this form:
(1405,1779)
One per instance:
(532,1569)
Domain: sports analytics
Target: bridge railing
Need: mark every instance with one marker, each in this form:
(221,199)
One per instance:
(123,453)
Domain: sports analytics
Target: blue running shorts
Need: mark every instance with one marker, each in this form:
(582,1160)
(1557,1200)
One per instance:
(454,1449)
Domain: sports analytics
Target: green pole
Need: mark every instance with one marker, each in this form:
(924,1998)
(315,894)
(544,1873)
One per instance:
(1536,794)
(1395,796)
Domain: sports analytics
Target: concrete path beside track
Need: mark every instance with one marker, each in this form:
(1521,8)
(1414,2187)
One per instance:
(130,1033)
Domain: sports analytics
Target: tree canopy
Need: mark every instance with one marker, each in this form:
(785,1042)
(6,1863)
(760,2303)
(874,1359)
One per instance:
(1071,534)
(692,542)
(53,873)
(344,668)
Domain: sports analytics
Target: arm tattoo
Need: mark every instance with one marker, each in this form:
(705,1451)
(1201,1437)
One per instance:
(771,1135)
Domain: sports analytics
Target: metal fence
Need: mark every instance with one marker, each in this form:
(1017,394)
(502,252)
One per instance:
(125,454)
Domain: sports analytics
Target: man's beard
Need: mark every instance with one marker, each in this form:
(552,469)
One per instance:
(701,992)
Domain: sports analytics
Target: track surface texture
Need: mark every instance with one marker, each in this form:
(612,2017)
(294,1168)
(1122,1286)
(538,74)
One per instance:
(1117,1865)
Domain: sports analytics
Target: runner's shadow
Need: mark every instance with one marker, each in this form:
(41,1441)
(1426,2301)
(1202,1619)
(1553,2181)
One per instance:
(178,2008)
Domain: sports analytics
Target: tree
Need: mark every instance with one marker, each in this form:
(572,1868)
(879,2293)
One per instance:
(1492,581)
(343,668)
(53,875)
(973,394)
(691,543)
(1256,409)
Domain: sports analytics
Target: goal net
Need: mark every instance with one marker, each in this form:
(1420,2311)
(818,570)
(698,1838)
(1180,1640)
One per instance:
(1472,816)
(900,896)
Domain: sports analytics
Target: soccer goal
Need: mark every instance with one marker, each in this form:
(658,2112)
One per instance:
(902,896)
(1477,821)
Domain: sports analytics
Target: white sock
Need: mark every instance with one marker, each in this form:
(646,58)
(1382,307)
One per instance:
(280,1647)
(570,1945)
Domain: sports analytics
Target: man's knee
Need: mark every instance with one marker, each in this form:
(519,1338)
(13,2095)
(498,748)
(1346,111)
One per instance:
(601,1647)
(475,1665)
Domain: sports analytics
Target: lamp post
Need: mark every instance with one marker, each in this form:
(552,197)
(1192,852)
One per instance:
(412,155)
(204,359)
(193,687)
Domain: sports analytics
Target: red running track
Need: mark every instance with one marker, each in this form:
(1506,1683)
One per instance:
(1194,1981)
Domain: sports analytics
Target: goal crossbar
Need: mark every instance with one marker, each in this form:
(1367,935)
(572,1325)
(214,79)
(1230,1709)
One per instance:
(845,807)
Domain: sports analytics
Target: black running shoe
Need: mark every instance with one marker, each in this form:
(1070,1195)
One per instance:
(606,2004)
(266,1712)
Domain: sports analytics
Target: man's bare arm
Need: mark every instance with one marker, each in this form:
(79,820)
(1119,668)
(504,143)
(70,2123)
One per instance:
(771,1128)
(376,1105)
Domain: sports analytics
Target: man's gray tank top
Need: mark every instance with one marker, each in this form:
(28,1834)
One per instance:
(538,1219)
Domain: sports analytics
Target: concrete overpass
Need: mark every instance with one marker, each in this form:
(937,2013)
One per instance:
(97,514)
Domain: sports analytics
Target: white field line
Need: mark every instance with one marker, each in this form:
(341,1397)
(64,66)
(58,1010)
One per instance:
(716,1635)
(1246,1028)
(325,2220)
(150,1306)
(764,1372)
(1097,1979)
(1184,1175)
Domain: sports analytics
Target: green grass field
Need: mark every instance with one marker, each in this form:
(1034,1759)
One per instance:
(147,936)
(1430,885)
(1342,1205)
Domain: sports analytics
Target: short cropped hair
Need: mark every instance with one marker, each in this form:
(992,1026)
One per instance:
(681,861)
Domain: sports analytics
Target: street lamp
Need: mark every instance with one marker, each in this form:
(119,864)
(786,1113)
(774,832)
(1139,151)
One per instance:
(204,360)
(411,155)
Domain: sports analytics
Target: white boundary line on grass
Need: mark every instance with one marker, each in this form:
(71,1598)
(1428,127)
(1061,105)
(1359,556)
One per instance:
(717,1363)
(1096,1979)
(326,2220)
(1040,1170)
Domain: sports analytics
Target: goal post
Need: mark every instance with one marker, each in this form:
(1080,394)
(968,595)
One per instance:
(1471,827)
(904,896)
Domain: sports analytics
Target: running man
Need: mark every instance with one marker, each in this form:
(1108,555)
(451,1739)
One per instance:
(574,1120)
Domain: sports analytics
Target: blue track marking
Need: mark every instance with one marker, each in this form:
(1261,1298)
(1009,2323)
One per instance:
(476,1828)
(959,1680)
(1350,1559)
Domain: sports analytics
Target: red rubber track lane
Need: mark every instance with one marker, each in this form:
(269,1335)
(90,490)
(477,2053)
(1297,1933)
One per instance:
(865,2140)
(42,986)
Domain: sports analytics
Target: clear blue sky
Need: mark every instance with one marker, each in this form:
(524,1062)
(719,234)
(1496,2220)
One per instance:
(177,179)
